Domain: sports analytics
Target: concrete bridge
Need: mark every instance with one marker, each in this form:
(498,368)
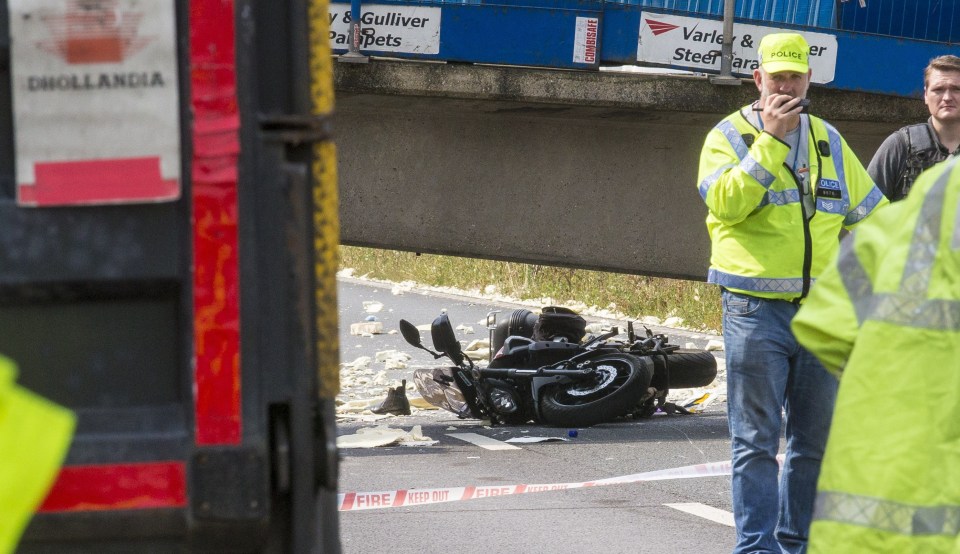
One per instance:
(583,169)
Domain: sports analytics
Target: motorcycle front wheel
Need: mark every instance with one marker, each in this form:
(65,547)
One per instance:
(616,384)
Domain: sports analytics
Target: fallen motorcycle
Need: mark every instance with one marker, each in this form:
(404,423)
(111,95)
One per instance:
(551,377)
(673,367)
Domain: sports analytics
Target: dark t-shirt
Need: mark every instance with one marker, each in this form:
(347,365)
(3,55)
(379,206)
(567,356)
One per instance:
(894,170)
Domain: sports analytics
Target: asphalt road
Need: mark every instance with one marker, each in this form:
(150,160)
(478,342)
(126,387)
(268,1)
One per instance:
(634,517)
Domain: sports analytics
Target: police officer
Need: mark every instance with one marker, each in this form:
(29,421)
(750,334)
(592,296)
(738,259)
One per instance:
(886,317)
(779,186)
(914,148)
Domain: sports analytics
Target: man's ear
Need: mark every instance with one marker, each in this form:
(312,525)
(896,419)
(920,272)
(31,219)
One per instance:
(758,79)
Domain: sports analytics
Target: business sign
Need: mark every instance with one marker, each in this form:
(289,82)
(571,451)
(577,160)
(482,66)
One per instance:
(695,43)
(585,40)
(388,28)
(95,101)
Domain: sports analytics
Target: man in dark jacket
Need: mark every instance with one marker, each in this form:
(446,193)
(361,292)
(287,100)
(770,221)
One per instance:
(915,148)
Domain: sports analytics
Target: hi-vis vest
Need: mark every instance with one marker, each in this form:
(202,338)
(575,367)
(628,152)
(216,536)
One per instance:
(765,242)
(886,317)
(34,437)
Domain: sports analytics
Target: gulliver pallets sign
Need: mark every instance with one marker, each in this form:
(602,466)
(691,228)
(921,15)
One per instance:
(95,101)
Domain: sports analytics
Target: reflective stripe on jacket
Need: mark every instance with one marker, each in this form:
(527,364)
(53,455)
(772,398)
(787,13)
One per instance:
(886,317)
(762,243)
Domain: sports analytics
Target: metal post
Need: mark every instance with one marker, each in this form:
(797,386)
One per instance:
(726,53)
(353,54)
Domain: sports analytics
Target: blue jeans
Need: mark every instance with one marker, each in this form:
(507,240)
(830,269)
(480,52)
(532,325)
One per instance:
(769,373)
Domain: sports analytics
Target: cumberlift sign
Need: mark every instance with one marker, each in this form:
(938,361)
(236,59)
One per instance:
(694,43)
(95,101)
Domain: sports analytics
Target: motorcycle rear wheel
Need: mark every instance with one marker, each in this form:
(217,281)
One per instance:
(620,380)
(691,369)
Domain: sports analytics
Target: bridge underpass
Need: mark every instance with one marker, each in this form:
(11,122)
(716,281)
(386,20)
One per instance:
(593,170)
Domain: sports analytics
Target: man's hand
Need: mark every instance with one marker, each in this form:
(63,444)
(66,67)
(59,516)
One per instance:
(780,113)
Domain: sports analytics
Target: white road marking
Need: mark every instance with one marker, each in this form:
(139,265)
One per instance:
(483,442)
(722,517)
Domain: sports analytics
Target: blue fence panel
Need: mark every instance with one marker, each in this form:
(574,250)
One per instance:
(583,34)
(814,13)
(482,33)
(936,20)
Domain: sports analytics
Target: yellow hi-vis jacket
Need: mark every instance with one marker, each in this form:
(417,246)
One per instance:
(886,318)
(34,437)
(764,241)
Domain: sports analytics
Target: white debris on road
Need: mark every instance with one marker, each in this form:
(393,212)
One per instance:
(372,306)
(478,350)
(399,289)
(673,322)
(386,355)
(363,362)
(366,328)
(383,435)
(714,344)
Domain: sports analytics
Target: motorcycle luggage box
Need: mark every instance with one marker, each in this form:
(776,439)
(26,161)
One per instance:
(559,322)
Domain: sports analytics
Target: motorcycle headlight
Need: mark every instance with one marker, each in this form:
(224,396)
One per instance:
(503,400)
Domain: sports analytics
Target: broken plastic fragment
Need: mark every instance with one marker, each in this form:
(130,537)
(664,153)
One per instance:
(536,439)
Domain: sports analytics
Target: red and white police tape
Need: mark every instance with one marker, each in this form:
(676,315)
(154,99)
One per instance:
(353,501)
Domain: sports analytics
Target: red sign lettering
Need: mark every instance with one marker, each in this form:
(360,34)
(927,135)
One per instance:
(373,500)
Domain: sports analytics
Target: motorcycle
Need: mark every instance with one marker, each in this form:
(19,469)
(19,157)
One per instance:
(544,373)
(673,367)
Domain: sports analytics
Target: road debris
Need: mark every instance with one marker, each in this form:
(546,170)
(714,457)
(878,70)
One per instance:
(525,440)
(714,344)
(384,435)
(367,328)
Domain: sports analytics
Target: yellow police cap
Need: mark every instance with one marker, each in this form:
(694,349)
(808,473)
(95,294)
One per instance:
(784,52)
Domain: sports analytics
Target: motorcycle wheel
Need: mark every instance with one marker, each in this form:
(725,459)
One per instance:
(619,381)
(691,368)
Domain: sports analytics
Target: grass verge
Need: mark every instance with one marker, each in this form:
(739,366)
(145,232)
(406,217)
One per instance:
(697,303)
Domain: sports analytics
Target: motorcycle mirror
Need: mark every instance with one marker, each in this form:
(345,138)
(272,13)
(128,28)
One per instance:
(410,333)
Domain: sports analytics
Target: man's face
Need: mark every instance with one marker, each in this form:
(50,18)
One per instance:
(942,95)
(790,83)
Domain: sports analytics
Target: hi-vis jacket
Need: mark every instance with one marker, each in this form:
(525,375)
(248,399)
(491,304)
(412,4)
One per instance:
(35,435)
(886,317)
(765,242)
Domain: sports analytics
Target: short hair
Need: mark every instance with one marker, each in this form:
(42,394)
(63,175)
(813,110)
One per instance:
(941,63)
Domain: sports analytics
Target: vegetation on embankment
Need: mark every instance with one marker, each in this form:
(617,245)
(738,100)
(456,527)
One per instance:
(696,303)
